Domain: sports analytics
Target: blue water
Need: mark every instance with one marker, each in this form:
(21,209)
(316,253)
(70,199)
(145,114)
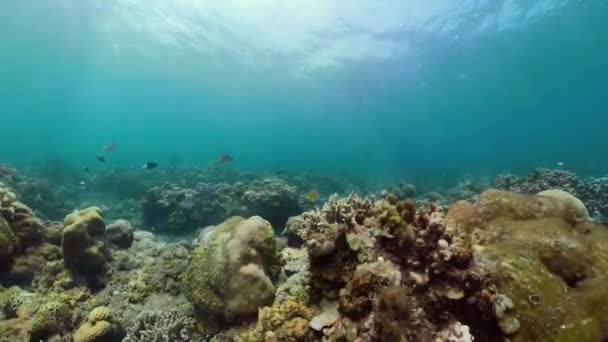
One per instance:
(378,88)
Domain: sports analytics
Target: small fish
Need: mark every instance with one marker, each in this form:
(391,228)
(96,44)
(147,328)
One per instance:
(110,147)
(83,183)
(100,158)
(560,164)
(150,165)
(312,196)
(86,169)
(225,158)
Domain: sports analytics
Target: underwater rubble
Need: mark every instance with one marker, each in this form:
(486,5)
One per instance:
(523,265)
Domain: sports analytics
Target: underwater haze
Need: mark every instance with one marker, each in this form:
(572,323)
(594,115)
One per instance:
(377,88)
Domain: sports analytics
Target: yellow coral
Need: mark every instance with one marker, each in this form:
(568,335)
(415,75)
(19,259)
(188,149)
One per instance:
(98,327)
(93,332)
(100,313)
(287,321)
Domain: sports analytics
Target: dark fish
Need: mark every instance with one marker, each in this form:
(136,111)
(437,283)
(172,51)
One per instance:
(225,158)
(100,158)
(86,169)
(150,165)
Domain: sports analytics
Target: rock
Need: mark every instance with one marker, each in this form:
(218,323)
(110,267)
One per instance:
(232,274)
(99,327)
(83,245)
(120,234)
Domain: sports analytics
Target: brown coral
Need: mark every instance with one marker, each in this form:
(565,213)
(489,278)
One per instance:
(368,253)
(83,245)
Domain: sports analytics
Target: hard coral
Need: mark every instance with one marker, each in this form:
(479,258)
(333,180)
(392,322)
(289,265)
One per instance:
(100,326)
(26,227)
(592,191)
(286,321)
(232,274)
(163,326)
(384,260)
(547,265)
(83,245)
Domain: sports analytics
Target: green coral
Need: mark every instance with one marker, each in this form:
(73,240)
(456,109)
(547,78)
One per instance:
(232,274)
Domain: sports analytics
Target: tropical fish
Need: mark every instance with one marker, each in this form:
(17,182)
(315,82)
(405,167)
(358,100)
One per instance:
(560,164)
(110,147)
(150,165)
(225,158)
(312,196)
(100,158)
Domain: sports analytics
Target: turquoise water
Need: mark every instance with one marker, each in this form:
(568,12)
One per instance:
(380,88)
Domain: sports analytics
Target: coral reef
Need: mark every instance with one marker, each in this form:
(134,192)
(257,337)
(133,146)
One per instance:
(231,275)
(83,245)
(522,267)
(394,272)
(285,321)
(25,226)
(592,191)
(172,209)
(547,264)
(163,326)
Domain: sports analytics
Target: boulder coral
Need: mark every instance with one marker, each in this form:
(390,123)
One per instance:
(548,261)
(83,245)
(100,326)
(232,274)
